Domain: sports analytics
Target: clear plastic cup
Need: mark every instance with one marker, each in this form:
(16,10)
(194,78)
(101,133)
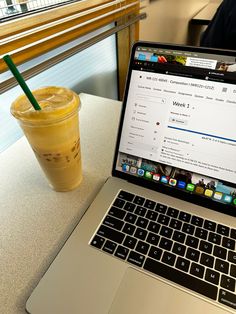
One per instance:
(53,133)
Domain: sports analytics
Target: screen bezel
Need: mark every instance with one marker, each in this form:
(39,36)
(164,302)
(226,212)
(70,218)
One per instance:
(167,189)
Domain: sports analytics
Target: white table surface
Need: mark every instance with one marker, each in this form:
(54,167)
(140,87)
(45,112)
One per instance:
(35,220)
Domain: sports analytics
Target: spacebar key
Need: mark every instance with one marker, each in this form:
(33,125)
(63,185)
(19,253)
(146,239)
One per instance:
(181,278)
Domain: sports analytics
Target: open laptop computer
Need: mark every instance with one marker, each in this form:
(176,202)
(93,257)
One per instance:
(160,235)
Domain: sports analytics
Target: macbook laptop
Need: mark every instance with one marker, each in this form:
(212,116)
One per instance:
(160,235)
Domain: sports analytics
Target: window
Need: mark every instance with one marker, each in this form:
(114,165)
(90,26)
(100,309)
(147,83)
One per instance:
(30,36)
(10,9)
(81,72)
(50,38)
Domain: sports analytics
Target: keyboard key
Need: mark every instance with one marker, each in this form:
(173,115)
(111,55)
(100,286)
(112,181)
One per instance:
(166,232)
(214,238)
(164,220)
(119,203)
(197,221)
(153,238)
(233,234)
(227,298)
(197,270)
(212,276)
(179,236)
(150,204)
(151,215)
(232,257)
(192,241)
(116,212)
(128,228)
(209,225)
(113,222)
(141,211)
(109,247)
(136,258)
(222,266)
(207,260)
(142,247)
(130,242)
(205,247)
(131,218)
(161,208)
(140,234)
(219,252)
(139,200)
(228,243)
(228,283)
(126,196)
(166,244)
(142,222)
(193,254)
(181,278)
(168,258)
(111,234)
(233,271)
(179,249)
(223,230)
(201,233)
(154,227)
(122,252)
(155,252)
(97,241)
(182,264)
(187,228)
(184,216)
(130,207)
(175,224)
(172,212)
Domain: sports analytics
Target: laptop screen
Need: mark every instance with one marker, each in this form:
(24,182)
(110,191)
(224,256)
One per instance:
(178,124)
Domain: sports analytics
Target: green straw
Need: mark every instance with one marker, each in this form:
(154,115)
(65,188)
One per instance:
(21,82)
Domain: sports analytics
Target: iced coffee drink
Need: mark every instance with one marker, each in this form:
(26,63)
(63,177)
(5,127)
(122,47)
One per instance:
(53,133)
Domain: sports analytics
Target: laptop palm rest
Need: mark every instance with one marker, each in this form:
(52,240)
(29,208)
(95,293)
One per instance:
(139,294)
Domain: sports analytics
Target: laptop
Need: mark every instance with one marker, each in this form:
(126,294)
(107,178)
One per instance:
(160,236)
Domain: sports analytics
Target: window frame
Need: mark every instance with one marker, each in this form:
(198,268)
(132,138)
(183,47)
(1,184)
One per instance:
(27,37)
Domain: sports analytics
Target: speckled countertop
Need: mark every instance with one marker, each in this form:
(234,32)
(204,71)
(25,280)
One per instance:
(35,221)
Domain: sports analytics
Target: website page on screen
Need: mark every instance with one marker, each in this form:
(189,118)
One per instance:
(178,129)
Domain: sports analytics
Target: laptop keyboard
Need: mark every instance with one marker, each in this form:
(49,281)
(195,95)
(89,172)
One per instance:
(191,251)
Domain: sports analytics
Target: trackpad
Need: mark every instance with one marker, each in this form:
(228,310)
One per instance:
(139,293)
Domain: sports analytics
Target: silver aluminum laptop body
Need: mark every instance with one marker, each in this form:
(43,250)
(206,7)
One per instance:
(167,152)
